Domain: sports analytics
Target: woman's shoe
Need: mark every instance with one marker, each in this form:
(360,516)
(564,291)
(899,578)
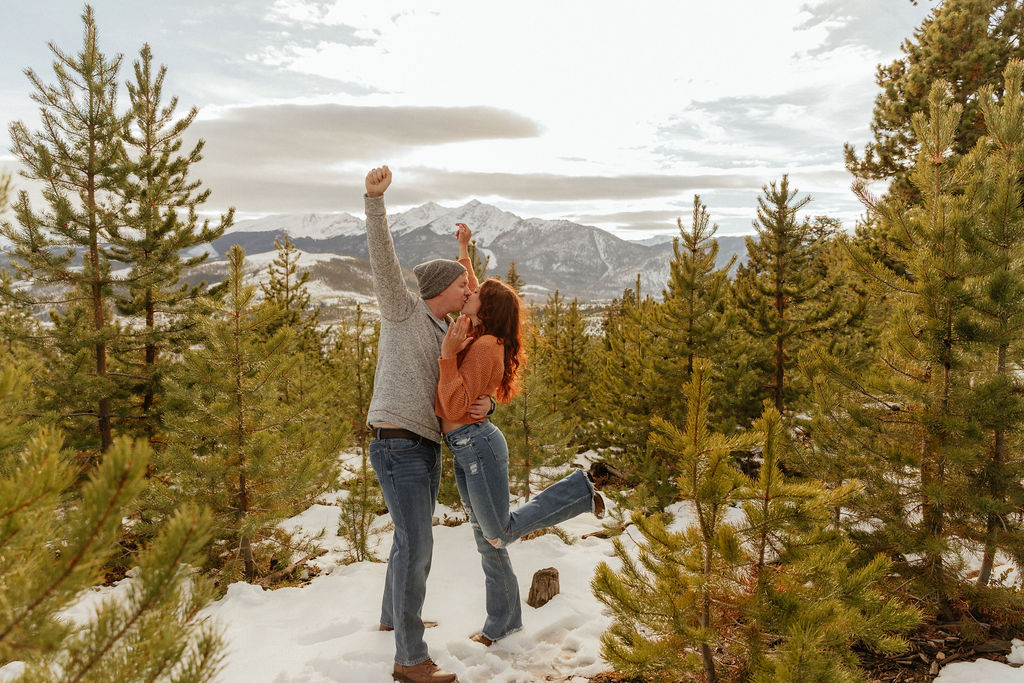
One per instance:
(598,505)
(482,639)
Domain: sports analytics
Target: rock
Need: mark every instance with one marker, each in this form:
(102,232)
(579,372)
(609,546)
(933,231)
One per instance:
(993,645)
(544,587)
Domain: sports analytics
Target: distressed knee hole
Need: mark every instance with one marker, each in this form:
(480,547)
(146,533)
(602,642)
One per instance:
(496,543)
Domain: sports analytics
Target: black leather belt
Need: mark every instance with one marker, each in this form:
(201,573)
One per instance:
(396,433)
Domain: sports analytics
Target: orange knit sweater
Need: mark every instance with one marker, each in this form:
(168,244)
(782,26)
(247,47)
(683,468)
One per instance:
(476,372)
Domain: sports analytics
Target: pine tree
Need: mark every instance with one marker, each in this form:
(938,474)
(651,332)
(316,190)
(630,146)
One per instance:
(286,291)
(479,264)
(997,240)
(564,357)
(573,370)
(692,320)
(286,287)
(17,324)
(965,42)
(779,290)
(907,414)
(160,221)
(563,354)
(76,156)
(56,541)
(18,405)
(353,359)
(237,445)
(623,403)
(535,434)
(807,607)
(669,616)
(512,278)
(360,506)
(771,594)
(859,313)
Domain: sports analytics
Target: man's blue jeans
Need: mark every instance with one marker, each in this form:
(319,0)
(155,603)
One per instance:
(409,473)
(481,473)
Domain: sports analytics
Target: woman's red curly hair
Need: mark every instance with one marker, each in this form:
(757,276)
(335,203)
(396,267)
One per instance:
(501,314)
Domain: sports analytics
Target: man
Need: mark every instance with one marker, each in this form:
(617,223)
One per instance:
(405,451)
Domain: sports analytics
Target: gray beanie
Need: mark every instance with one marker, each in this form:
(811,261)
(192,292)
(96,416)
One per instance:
(435,276)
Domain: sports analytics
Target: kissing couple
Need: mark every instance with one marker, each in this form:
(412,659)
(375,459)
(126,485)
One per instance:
(434,382)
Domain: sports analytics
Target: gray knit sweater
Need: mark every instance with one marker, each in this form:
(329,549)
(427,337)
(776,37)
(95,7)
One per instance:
(410,339)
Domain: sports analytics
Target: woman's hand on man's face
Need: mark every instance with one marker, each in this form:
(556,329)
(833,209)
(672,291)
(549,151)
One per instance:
(457,338)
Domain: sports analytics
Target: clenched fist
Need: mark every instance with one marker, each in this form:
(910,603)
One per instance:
(377,181)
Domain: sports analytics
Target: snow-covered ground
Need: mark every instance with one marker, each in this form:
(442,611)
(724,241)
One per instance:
(326,631)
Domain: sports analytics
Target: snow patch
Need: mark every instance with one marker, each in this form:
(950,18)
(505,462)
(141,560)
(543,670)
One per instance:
(980,671)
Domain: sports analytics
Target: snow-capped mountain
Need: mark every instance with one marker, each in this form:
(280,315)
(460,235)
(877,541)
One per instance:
(313,225)
(578,260)
(491,222)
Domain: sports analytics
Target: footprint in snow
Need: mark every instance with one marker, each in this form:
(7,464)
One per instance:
(338,629)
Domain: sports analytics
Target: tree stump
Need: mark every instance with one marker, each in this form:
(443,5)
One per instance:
(544,587)
(604,475)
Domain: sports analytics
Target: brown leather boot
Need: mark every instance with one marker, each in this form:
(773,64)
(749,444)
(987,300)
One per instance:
(482,639)
(426,624)
(424,672)
(598,505)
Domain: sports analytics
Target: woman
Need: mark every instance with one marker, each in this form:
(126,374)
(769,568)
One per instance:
(481,354)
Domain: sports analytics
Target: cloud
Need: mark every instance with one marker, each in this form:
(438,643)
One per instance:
(203,45)
(301,12)
(257,188)
(875,24)
(465,101)
(800,128)
(551,187)
(303,157)
(629,221)
(761,130)
(288,136)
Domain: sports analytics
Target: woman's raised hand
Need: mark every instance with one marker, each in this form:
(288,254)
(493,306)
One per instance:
(377,181)
(463,234)
(457,338)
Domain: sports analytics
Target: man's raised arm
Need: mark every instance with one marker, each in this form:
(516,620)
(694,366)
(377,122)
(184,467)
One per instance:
(389,285)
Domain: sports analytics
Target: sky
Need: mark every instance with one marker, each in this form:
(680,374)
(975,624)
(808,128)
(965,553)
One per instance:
(603,112)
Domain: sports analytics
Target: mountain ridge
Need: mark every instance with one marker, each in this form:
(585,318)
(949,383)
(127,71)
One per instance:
(579,260)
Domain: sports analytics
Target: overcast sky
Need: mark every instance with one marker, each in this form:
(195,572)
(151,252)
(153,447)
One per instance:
(609,113)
